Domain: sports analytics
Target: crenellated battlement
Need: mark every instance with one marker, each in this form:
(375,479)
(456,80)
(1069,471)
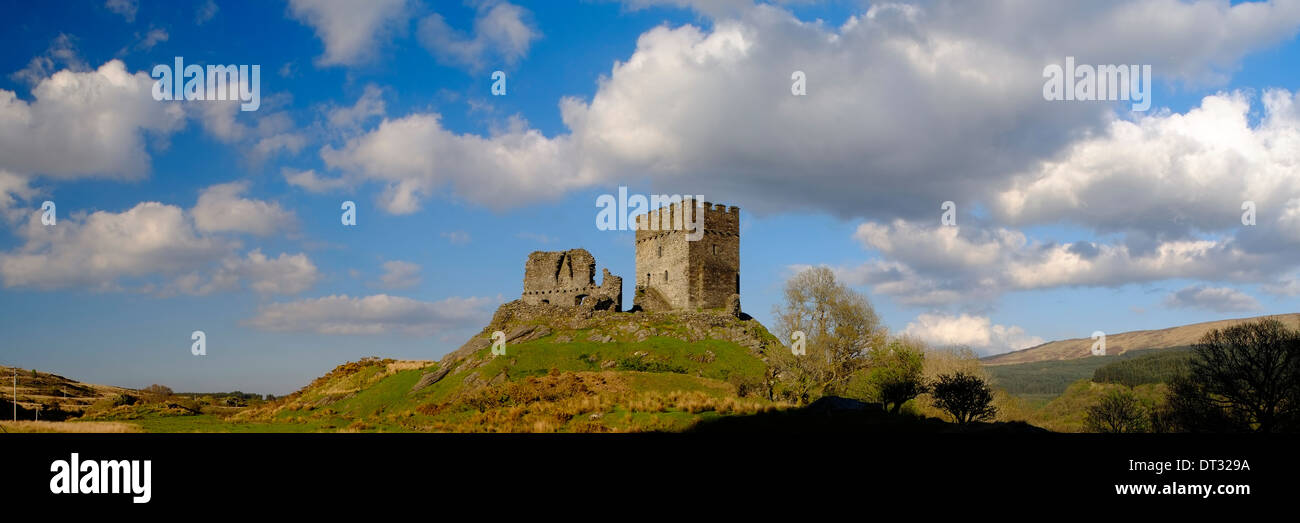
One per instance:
(683,216)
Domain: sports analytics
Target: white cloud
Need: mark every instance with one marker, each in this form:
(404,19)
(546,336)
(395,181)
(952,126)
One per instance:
(62,53)
(13,189)
(502,33)
(907,105)
(1169,172)
(939,265)
(152,38)
(399,275)
(220,208)
(350,30)
(414,156)
(1218,299)
(126,8)
(101,248)
(50,137)
(272,132)
(348,120)
(285,274)
(376,314)
(977,332)
(151,248)
(310,181)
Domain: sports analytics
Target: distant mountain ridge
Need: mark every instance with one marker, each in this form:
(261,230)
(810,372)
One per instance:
(1120,343)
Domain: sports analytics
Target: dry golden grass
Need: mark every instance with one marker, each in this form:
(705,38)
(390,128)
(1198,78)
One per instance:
(577,402)
(69,426)
(401,365)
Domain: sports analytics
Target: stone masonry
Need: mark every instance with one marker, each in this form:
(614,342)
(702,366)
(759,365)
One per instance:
(567,278)
(673,272)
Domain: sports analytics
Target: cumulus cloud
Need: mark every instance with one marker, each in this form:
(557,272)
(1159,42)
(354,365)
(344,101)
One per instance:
(348,120)
(1171,173)
(977,332)
(1218,299)
(220,208)
(49,135)
(285,274)
(907,105)
(14,189)
(350,30)
(502,32)
(415,155)
(398,275)
(376,314)
(271,131)
(97,250)
(938,265)
(152,248)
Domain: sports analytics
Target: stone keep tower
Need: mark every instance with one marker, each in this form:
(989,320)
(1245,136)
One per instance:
(673,272)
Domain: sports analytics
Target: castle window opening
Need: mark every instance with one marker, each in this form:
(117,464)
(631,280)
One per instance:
(665,276)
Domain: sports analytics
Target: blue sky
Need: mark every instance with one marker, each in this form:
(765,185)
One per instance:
(1073,216)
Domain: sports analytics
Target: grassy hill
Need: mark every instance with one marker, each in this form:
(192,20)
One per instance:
(1048,379)
(56,395)
(1117,344)
(564,369)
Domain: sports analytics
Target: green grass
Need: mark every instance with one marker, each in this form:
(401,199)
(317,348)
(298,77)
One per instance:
(537,357)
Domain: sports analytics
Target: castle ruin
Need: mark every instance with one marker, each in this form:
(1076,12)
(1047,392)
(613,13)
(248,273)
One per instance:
(567,278)
(676,268)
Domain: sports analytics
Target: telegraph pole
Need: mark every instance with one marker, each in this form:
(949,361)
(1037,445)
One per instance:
(15,394)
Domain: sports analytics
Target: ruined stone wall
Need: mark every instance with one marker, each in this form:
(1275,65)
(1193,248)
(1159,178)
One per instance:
(689,274)
(566,278)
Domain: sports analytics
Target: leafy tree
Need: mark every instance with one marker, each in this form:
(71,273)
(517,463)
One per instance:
(1119,411)
(966,397)
(895,373)
(1242,378)
(840,326)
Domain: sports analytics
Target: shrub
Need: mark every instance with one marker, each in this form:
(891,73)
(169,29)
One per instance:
(967,398)
(1118,412)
